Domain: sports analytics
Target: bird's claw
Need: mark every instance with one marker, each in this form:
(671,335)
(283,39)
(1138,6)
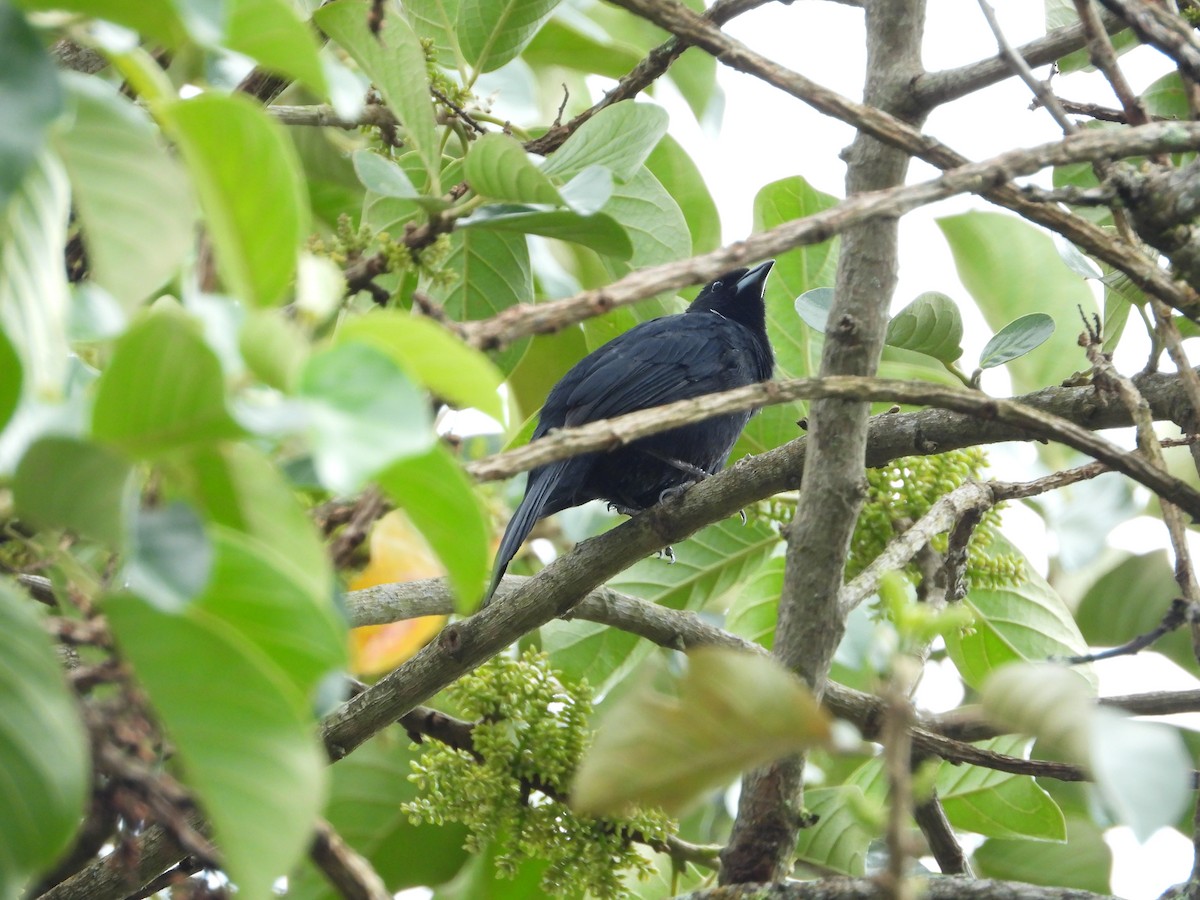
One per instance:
(742,513)
(668,553)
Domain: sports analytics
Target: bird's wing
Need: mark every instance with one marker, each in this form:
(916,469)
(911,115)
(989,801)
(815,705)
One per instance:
(648,366)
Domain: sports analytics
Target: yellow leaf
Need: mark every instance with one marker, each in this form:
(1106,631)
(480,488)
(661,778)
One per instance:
(398,553)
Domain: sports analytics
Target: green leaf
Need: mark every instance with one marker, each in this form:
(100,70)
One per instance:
(493,273)
(441,501)
(171,558)
(931,324)
(160,21)
(813,307)
(63,482)
(580,650)
(437,21)
(1083,863)
(256,234)
(797,346)
(246,741)
(301,633)
(999,804)
(274,347)
(1107,618)
(132,197)
(1011,269)
(1028,622)
(710,568)
(731,711)
(430,354)
(682,179)
(162,390)
(30,99)
(43,748)
(497,166)
(1142,770)
(493,32)
(364,414)
(382,176)
(11,379)
(366,791)
(33,283)
(600,232)
(839,839)
(393,60)
(755,608)
(1016,339)
(273,34)
(237,487)
(1060,13)
(562,43)
(652,220)
(1166,97)
(619,138)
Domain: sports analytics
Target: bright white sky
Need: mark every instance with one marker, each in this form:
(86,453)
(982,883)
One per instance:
(765,136)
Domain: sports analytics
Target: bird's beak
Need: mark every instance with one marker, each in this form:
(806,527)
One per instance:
(755,281)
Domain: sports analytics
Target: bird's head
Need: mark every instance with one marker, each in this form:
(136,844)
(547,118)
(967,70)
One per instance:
(737,295)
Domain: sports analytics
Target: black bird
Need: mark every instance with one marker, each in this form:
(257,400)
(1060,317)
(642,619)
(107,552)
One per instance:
(719,343)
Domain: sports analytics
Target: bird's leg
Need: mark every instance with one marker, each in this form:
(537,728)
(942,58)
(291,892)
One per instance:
(624,510)
(667,553)
(686,467)
(742,513)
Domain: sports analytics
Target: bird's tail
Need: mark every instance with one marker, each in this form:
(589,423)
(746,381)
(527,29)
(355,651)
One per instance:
(541,486)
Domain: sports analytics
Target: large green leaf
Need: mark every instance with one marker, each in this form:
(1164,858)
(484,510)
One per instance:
(273,34)
(393,60)
(619,138)
(999,804)
(493,32)
(161,21)
(237,487)
(1142,770)
(681,177)
(30,99)
(931,324)
(710,567)
(492,272)
(1027,622)
(1084,862)
(441,500)
(433,356)
(1107,618)
(246,741)
(839,839)
(366,791)
(301,633)
(132,197)
(437,21)
(364,414)
(11,379)
(652,219)
(43,747)
(729,712)
(1011,268)
(256,234)
(63,482)
(497,166)
(797,347)
(600,232)
(162,390)
(33,284)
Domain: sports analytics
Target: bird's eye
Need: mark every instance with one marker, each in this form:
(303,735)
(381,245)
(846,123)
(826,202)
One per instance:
(716,285)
